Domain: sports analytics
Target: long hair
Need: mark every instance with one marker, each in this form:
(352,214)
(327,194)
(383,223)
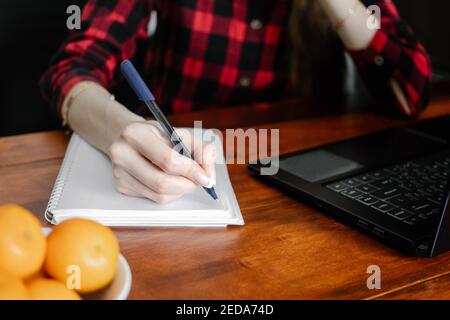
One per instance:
(317,56)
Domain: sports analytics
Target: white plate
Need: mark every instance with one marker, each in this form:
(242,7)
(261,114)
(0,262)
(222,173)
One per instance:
(119,287)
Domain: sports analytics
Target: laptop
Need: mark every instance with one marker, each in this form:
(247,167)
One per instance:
(391,184)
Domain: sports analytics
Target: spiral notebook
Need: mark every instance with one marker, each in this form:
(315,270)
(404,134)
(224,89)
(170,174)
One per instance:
(85,188)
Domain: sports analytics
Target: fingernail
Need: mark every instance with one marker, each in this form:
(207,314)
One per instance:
(201,178)
(212,182)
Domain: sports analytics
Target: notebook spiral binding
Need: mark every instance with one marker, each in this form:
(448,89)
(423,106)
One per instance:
(58,187)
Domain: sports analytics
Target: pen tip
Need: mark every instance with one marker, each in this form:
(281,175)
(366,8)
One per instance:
(213,193)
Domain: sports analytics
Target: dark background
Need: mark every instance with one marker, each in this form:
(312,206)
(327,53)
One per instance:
(31,31)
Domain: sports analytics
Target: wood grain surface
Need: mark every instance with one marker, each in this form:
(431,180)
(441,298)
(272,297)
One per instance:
(286,250)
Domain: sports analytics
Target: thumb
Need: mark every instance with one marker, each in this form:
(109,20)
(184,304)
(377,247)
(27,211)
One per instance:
(205,154)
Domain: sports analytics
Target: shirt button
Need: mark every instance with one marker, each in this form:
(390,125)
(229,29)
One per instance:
(256,24)
(244,81)
(379,60)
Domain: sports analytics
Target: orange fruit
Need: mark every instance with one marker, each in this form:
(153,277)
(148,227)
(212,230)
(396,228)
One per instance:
(22,242)
(84,251)
(38,275)
(12,288)
(50,289)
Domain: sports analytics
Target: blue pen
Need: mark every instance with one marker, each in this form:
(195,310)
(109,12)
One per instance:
(143,93)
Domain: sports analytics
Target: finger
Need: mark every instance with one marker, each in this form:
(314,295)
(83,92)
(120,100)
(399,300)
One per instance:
(164,156)
(151,176)
(149,141)
(126,191)
(129,185)
(204,153)
(209,162)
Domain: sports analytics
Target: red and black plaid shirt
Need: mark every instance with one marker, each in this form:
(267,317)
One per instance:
(221,52)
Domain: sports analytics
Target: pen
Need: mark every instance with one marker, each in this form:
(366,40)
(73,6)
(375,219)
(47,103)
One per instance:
(143,93)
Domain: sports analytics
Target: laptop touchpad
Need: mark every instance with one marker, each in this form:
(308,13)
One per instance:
(317,165)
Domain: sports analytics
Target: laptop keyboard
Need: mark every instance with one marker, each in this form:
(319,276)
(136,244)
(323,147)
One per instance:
(411,192)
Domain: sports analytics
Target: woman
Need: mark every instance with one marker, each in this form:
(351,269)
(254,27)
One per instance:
(220,52)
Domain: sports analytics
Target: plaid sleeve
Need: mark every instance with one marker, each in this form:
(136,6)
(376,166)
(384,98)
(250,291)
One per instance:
(109,30)
(395,60)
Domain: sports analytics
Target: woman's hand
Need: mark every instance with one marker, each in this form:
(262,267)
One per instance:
(145,164)
(349,19)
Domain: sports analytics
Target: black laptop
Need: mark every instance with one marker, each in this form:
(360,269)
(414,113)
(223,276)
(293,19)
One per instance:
(391,184)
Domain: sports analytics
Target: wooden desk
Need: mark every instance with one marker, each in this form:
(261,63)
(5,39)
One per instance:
(286,250)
